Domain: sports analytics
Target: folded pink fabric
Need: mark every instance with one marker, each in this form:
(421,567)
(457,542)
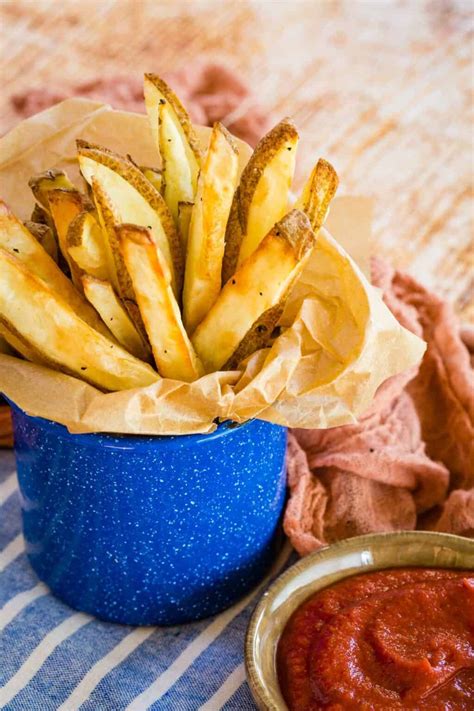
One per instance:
(409,462)
(211,92)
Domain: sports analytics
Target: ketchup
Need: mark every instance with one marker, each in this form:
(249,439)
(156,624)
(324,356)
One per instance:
(395,639)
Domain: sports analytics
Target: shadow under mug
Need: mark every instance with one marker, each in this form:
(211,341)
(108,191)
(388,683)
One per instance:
(150,530)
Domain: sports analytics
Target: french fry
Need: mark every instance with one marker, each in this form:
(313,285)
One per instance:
(15,238)
(174,355)
(262,197)
(251,303)
(154,176)
(40,216)
(108,218)
(45,236)
(48,331)
(65,206)
(205,249)
(318,192)
(179,184)
(180,154)
(132,198)
(5,347)
(86,246)
(40,186)
(107,304)
(119,275)
(18,344)
(185,210)
(43,183)
(157,90)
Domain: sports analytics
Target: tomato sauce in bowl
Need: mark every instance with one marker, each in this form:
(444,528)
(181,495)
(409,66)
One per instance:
(401,638)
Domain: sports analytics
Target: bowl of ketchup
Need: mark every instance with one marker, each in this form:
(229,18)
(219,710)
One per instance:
(377,622)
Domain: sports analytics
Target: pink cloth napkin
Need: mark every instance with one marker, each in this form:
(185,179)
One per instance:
(409,462)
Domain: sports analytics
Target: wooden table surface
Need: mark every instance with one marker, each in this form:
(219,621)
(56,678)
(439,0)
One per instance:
(382,89)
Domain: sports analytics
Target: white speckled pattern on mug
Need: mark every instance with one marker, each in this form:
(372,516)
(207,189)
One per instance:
(150,530)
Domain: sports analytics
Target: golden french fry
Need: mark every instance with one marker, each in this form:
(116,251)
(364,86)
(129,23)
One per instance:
(179,183)
(17,344)
(262,196)
(45,236)
(185,210)
(174,355)
(107,304)
(15,238)
(318,192)
(48,331)
(65,206)
(41,216)
(252,301)
(119,276)
(130,197)
(205,249)
(86,246)
(49,180)
(185,149)
(108,218)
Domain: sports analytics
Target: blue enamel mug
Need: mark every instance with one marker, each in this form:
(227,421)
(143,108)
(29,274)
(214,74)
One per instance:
(150,530)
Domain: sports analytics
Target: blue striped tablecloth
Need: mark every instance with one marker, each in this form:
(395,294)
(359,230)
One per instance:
(52,657)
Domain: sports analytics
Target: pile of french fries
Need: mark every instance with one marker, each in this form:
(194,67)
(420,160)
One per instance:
(172,272)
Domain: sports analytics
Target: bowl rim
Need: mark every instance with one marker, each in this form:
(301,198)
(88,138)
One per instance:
(260,693)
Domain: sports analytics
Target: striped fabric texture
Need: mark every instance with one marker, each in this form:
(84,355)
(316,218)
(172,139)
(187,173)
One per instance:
(55,658)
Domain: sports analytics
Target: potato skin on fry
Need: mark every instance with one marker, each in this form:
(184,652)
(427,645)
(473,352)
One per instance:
(262,196)
(185,210)
(174,355)
(156,89)
(318,192)
(49,180)
(40,216)
(176,141)
(108,218)
(258,334)
(251,302)
(48,331)
(15,238)
(217,180)
(154,176)
(233,239)
(45,236)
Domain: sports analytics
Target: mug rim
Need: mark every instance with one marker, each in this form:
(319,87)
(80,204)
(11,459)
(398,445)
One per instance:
(131,441)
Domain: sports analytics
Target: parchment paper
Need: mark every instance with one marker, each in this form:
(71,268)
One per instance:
(340,342)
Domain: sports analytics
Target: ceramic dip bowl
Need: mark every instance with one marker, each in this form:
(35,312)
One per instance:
(325,567)
(150,530)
